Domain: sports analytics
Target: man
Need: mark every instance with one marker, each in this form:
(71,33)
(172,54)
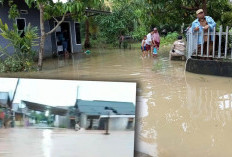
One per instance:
(64,39)
(149,42)
(201,25)
(178,48)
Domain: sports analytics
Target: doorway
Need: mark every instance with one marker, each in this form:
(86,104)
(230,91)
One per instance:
(65,30)
(21,24)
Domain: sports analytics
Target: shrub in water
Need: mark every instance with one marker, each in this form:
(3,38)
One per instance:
(22,42)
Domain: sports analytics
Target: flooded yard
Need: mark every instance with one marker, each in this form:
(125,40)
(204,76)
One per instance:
(179,113)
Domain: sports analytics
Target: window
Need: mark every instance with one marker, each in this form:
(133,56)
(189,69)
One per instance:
(21,24)
(23,11)
(78,33)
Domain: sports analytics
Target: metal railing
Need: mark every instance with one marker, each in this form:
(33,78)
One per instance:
(218,44)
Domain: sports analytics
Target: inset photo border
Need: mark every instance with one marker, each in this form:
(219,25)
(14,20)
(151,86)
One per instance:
(67,118)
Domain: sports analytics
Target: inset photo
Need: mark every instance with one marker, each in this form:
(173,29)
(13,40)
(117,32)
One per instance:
(63,118)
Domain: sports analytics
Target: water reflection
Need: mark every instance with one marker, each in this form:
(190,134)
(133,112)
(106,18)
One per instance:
(225,102)
(46,143)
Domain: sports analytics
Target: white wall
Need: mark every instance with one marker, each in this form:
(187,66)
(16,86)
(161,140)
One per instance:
(119,123)
(61,121)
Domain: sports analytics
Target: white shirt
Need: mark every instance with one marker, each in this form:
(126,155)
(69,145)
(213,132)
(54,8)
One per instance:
(143,41)
(148,41)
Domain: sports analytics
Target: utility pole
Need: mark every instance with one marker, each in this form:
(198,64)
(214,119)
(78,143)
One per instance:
(11,104)
(107,124)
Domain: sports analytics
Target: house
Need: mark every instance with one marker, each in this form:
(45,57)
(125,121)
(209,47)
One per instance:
(4,100)
(22,115)
(94,114)
(31,15)
(4,108)
(68,120)
(64,116)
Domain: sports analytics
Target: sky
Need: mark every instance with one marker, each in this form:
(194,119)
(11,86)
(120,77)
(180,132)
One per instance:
(65,93)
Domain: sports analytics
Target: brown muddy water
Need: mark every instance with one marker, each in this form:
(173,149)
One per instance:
(180,114)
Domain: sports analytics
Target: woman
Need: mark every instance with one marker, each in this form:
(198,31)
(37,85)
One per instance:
(156,39)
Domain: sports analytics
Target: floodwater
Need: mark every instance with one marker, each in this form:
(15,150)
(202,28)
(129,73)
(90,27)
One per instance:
(180,114)
(65,143)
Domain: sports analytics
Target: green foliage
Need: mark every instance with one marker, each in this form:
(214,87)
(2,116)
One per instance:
(39,116)
(120,22)
(76,8)
(140,32)
(13,12)
(22,58)
(176,12)
(137,17)
(169,39)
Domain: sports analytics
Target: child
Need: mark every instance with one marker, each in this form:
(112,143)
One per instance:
(155,51)
(143,46)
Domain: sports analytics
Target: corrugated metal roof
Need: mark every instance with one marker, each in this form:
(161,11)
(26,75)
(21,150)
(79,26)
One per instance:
(100,107)
(43,108)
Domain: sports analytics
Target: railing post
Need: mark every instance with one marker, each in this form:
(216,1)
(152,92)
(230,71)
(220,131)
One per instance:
(214,32)
(227,31)
(220,42)
(187,45)
(202,43)
(208,41)
(231,47)
(191,41)
(197,43)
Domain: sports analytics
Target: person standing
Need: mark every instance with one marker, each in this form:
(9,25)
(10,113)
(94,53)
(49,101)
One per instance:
(149,42)
(201,25)
(143,46)
(63,37)
(156,39)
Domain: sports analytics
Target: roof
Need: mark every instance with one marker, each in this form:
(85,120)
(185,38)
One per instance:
(93,12)
(43,108)
(98,107)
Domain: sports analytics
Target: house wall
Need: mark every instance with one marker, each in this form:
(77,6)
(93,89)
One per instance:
(61,121)
(75,47)
(119,123)
(4,97)
(83,120)
(19,121)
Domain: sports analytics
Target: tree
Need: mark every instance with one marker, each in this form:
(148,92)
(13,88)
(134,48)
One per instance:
(183,11)
(90,4)
(119,22)
(58,11)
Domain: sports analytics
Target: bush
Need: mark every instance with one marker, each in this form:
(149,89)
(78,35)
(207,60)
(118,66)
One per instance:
(140,32)
(169,39)
(22,58)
